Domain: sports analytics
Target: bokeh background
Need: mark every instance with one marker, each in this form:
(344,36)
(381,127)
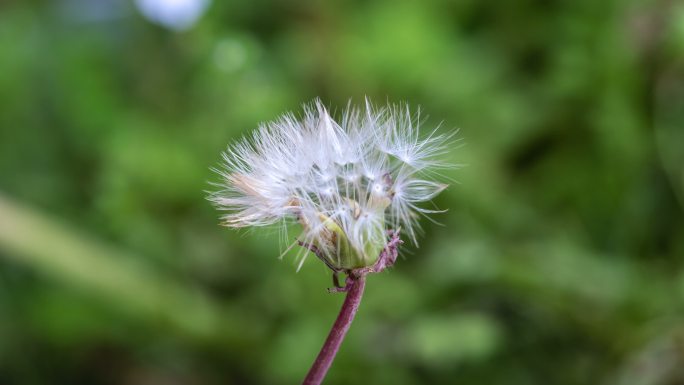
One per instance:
(560,260)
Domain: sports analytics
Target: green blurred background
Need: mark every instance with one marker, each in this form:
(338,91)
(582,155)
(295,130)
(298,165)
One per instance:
(560,260)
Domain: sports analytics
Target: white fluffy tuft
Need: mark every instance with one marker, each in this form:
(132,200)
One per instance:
(367,174)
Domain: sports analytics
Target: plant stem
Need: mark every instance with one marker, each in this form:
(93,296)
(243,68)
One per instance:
(339,330)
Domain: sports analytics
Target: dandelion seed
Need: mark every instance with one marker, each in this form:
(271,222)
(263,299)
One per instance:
(345,183)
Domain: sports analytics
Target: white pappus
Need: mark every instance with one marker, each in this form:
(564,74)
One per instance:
(346,183)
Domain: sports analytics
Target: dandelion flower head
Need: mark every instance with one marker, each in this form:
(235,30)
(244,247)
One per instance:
(345,182)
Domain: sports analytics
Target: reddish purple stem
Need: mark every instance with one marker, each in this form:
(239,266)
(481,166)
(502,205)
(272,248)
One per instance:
(339,330)
(354,285)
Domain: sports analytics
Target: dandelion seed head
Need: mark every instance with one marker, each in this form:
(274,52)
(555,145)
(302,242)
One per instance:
(345,183)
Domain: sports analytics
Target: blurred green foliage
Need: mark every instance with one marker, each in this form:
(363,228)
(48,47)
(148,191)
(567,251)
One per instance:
(559,262)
